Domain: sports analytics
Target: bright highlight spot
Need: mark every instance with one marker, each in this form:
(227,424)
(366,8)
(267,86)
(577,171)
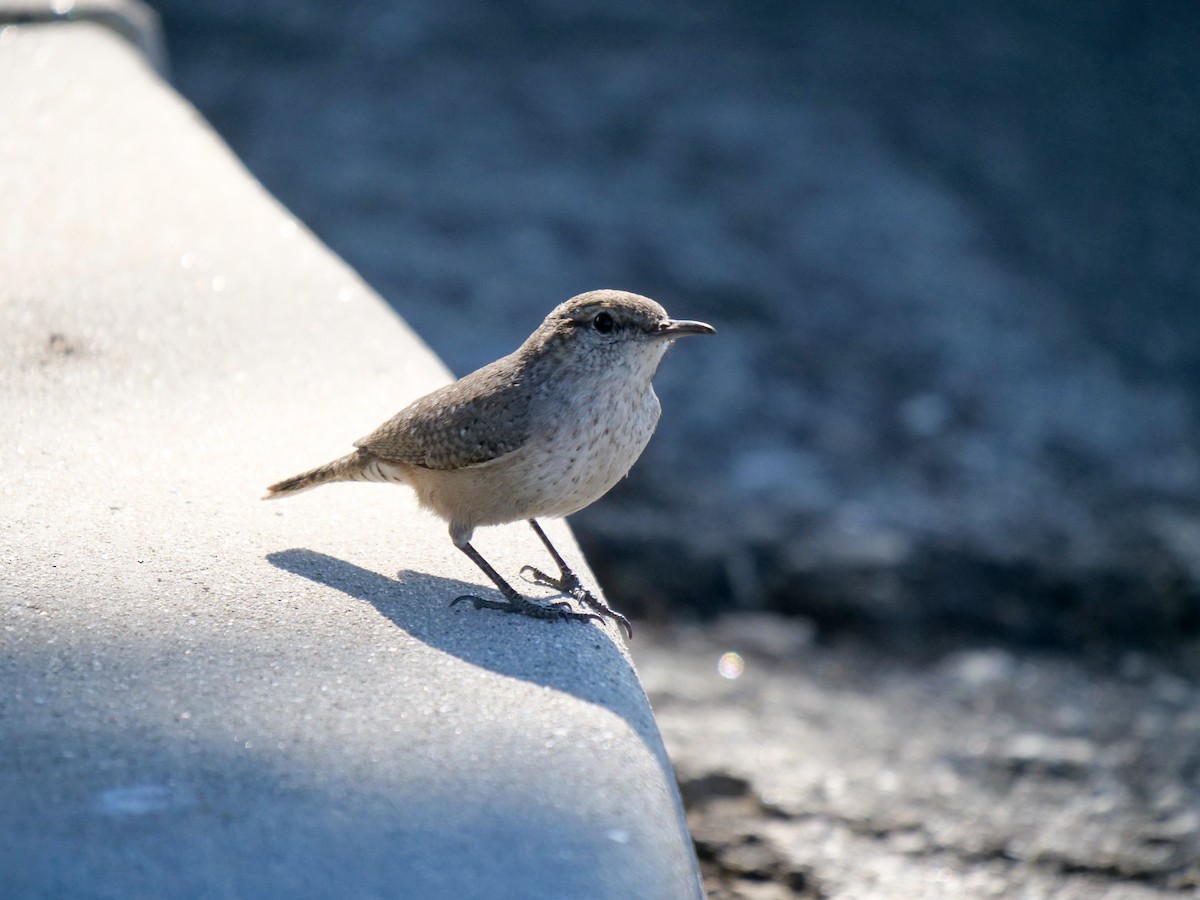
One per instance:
(731,665)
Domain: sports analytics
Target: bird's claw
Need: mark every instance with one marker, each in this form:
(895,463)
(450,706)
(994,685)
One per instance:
(606,610)
(537,576)
(478,602)
(570,585)
(525,607)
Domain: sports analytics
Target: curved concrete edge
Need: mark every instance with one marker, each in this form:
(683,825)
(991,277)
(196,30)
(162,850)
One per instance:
(133,20)
(207,695)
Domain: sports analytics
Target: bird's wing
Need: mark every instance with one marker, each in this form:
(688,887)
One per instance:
(475,420)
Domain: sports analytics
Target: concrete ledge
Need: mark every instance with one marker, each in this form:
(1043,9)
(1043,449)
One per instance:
(205,695)
(134,21)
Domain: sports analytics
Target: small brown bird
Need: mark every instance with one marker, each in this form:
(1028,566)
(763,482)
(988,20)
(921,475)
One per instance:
(542,432)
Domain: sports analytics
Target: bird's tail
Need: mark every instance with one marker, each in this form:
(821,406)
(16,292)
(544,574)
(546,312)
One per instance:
(361,465)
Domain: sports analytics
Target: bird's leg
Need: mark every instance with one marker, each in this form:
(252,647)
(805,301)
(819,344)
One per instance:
(513,601)
(568,582)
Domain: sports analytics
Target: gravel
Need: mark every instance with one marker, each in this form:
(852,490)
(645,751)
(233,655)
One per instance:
(848,770)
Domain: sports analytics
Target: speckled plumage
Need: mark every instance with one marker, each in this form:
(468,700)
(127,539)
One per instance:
(496,409)
(542,432)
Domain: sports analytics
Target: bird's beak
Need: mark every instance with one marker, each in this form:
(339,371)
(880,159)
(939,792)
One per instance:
(673,328)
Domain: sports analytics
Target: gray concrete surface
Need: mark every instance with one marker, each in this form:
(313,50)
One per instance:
(204,695)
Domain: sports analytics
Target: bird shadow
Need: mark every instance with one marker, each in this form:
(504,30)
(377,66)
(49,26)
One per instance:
(580,659)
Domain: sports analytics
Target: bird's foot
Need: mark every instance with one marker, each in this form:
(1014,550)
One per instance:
(526,607)
(570,585)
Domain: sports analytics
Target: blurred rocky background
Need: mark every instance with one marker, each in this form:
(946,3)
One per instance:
(950,427)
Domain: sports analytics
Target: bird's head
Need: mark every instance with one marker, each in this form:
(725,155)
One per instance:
(609,329)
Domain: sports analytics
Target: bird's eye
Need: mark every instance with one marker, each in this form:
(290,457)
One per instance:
(603,323)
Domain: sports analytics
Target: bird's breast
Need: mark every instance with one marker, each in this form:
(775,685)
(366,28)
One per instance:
(579,456)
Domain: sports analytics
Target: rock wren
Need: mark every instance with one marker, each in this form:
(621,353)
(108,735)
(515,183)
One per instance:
(543,432)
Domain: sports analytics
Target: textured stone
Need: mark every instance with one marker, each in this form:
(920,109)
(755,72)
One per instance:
(874,775)
(205,695)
